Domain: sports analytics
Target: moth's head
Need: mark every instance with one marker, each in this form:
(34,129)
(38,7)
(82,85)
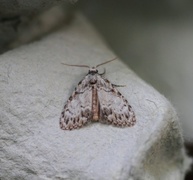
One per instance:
(93,71)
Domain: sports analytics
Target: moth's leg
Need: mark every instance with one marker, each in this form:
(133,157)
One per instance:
(103,72)
(115,85)
(77,92)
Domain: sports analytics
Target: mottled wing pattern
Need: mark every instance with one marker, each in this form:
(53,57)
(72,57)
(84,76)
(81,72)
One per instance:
(77,111)
(114,108)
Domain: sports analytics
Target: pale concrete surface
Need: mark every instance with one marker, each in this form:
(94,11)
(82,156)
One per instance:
(33,89)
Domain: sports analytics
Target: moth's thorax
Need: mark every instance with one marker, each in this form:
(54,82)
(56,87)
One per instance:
(92,74)
(93,71)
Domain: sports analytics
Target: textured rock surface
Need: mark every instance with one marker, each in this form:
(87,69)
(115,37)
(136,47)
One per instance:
(33,88)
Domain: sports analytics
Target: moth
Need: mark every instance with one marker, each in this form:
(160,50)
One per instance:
(96,99)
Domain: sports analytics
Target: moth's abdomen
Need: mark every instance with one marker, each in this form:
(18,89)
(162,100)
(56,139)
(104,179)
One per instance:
(95,104)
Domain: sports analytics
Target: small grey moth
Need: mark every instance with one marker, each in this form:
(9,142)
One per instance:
(96,99)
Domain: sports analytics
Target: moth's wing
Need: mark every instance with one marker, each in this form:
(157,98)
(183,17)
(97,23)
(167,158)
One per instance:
(77,111)
(114,108)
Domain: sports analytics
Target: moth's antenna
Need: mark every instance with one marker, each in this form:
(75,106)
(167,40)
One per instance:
(106,62)
(75,65)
